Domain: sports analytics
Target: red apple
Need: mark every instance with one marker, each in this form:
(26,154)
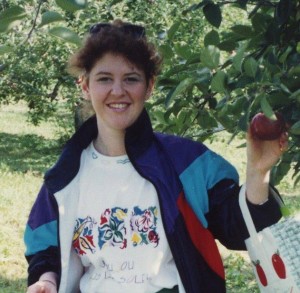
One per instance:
(264,128)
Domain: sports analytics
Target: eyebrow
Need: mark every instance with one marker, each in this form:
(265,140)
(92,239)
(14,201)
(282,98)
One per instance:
(109,73)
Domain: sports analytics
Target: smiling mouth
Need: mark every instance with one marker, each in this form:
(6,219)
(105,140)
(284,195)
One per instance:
(118,106)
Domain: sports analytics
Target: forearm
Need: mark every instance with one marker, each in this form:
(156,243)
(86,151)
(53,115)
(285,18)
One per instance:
(257,185)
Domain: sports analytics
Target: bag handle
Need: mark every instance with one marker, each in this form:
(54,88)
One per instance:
(246,213)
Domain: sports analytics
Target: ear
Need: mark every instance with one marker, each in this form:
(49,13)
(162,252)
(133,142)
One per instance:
(85,88)
(150,88)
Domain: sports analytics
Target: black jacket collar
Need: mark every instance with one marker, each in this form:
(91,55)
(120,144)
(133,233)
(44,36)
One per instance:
(137,139)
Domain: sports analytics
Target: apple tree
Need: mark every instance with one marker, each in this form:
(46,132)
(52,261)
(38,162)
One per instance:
(37,37)
(252,66)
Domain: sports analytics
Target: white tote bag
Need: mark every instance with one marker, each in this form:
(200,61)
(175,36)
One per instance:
(274,252)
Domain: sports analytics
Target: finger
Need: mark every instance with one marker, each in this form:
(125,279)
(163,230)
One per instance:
(283,142)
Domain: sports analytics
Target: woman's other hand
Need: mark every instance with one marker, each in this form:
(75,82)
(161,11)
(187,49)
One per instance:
(46,284)
(262,155)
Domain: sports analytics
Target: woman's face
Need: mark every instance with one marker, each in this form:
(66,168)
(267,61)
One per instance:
(117,90)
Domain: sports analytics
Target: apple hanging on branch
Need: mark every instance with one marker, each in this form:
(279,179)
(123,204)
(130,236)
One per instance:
(264,128)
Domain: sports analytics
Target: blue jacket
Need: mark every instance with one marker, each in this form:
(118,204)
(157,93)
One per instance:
(198,194)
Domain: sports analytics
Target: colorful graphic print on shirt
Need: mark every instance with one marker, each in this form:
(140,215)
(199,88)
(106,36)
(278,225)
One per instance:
(113,230)
(143,226)
(83,238)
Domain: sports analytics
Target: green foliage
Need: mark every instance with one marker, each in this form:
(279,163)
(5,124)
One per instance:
(239,274)
(224,61)
(249,66)
(11,17)
(50,16)
(71,5)
(66,35)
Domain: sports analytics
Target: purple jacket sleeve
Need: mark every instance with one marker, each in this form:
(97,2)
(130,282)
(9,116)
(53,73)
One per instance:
(41,237)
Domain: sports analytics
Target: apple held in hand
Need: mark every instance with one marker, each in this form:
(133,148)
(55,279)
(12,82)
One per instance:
(264,128)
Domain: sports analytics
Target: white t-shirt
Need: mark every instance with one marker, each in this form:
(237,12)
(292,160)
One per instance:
(118,233)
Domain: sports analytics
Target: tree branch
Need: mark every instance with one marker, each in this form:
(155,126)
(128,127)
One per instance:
(35,19)
(54,93)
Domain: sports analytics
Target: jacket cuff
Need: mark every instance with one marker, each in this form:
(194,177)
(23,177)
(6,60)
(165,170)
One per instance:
(267,213)
(42,262)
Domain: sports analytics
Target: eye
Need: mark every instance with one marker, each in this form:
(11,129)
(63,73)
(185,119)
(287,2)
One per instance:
(132,79)
(104,79)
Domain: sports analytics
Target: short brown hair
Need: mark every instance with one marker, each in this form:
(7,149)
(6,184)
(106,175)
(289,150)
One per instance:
(112,39)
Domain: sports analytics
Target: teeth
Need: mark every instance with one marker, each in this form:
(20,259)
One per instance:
(118,106)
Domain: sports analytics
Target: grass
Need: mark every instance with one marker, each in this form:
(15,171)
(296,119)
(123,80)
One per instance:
(27,151)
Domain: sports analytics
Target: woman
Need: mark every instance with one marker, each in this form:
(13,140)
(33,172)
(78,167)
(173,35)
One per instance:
(129,210)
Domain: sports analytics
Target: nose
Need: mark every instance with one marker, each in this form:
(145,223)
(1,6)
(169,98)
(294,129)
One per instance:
(117,88)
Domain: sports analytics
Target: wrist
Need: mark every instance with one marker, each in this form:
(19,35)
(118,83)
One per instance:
(260,175)
(48,281)
(49,277)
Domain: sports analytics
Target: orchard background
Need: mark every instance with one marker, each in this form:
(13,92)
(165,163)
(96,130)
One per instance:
(224,61)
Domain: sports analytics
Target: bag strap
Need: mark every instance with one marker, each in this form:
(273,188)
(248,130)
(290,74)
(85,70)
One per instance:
(246,213)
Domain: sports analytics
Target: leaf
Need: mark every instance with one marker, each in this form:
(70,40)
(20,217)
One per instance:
(205,120)
(297,180)
(259,22)
(211,38)
(210,57)
(65,34)
(173,29)
(255,104)
(218,82)
(294,70)
(238,105)
(5,49)
(295,129)
(182,86)
(203,79)
(183,51)
(285,54)
(243,81)
(242,30)
(181,118)
(243,122)
(11,17)
(50,16)
(12,13)
(71,5)
(250,66)
(278,172)
(237,59)
(266,108)
(166,51)
(213,14)
(295,95)
(227,46)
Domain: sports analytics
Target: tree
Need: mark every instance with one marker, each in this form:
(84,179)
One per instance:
(220,68)
(241,70)
(38,36)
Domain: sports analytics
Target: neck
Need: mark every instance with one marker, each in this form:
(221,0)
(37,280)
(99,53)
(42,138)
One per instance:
(110,144)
